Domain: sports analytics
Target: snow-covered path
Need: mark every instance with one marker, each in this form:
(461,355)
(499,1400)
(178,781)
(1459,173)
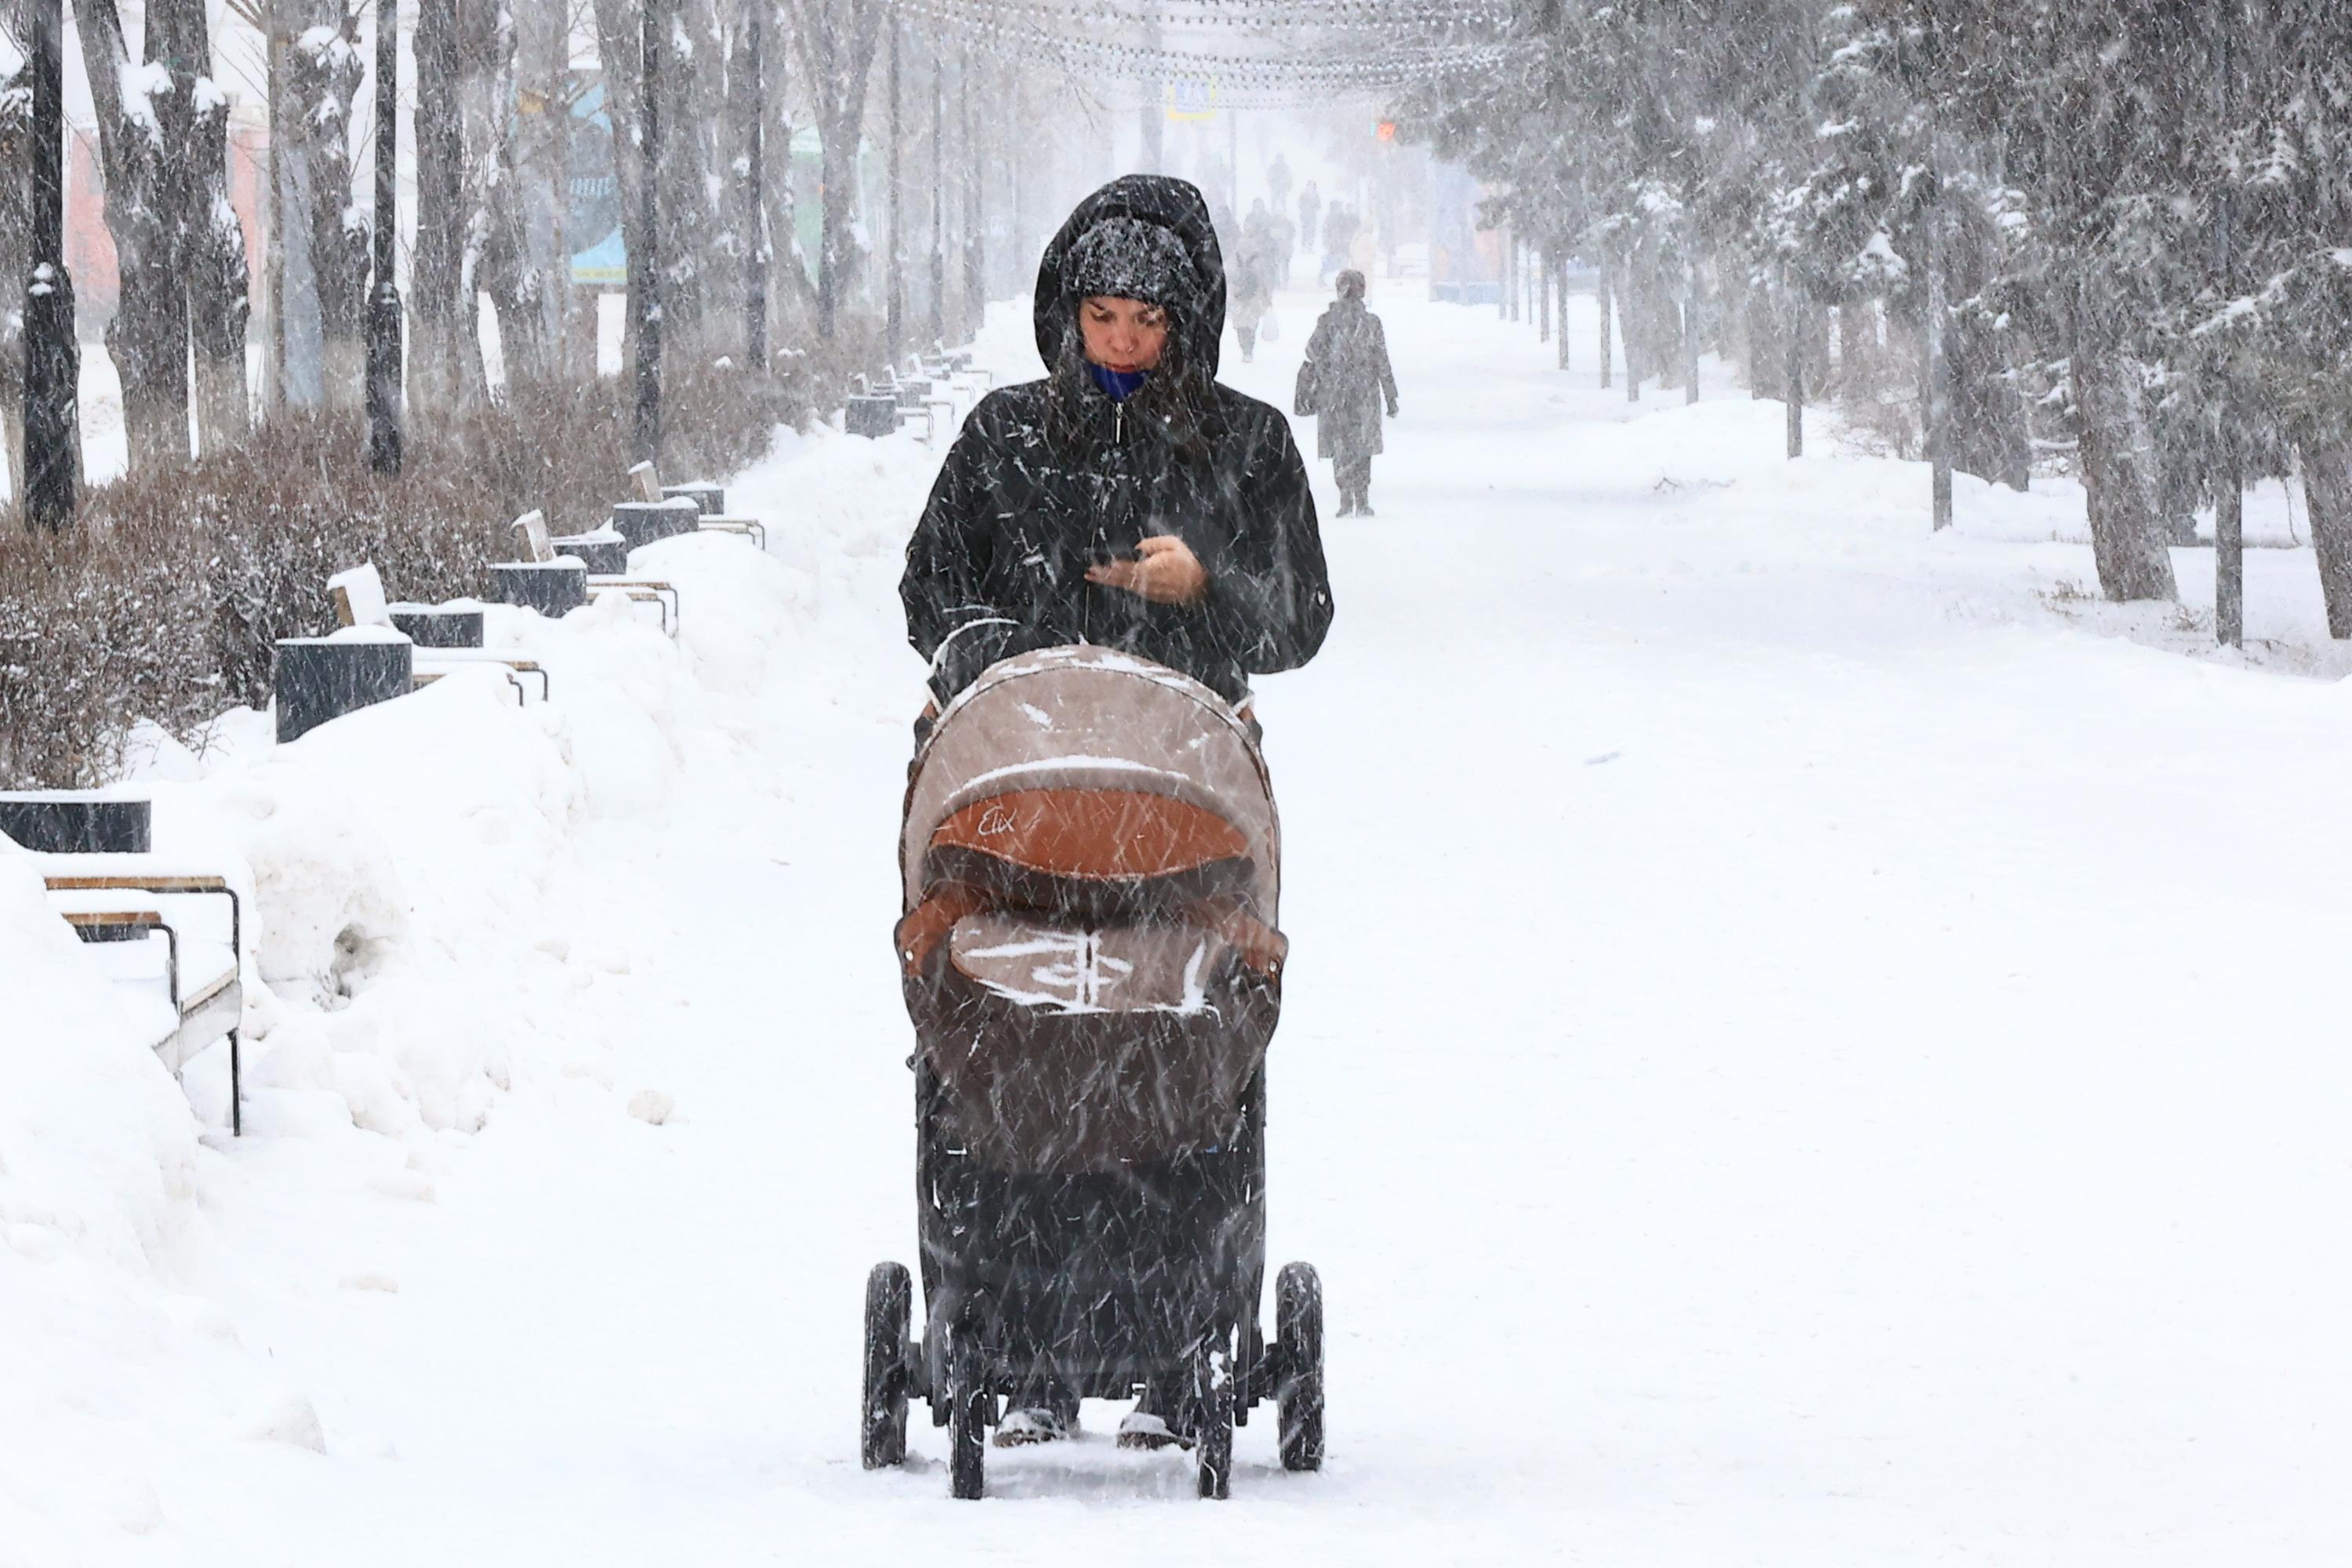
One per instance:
(1792,1055)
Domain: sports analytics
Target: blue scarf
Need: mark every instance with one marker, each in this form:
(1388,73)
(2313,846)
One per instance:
(1117,386)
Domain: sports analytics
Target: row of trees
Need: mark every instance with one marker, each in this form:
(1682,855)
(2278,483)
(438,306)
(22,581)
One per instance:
(2102,230)
(495,86)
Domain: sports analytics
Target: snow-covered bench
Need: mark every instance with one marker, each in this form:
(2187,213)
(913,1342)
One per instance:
(93,850)
(120,904)
(645,480)
(530,531)
(359,600)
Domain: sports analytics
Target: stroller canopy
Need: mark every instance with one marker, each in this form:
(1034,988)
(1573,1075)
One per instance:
(1088,764)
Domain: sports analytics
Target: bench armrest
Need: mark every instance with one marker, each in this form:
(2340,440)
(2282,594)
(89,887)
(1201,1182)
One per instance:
(159,882)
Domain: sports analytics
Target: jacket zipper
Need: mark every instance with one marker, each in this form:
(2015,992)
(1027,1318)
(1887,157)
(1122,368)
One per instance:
(1118,413)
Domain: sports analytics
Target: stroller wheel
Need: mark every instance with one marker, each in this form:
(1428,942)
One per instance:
(968,1408)
(1212,1402)
(889,1310)
(1298,1330)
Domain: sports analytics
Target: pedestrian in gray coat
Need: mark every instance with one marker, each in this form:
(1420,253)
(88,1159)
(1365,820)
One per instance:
(1343,383)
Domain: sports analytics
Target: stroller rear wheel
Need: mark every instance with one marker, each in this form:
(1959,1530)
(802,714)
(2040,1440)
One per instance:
(1213,1404)
(889,1310)
(1298,1330)
(967,1411)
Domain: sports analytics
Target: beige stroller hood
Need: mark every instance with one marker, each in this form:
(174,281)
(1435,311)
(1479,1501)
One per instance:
(1093,721)
(1090,858)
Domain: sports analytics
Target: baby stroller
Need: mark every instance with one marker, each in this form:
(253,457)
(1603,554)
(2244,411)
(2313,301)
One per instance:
(1091,860)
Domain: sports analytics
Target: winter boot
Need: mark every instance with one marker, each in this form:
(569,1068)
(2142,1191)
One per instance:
(1146,1427)
(1138,1430)
(1034,1425)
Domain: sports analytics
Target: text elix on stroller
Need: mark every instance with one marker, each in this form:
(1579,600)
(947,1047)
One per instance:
(1091,860)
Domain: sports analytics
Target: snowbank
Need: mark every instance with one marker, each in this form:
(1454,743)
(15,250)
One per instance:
(439,896)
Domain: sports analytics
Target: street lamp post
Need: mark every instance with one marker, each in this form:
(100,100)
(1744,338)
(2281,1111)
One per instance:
(52,358)
(383,347)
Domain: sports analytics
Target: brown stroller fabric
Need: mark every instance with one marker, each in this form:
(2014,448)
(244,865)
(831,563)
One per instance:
(1091,860)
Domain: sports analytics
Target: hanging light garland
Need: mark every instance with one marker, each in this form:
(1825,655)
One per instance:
(1470,33)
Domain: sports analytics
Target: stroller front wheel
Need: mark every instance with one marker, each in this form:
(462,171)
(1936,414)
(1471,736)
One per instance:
(890,1311)
(1212,1402)
(967,1410)
(1298,1345)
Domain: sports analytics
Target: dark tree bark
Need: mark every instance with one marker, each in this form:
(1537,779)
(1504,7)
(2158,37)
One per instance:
(499,244)
(325,71)
(792,286)
(1608,298)
(747,88)
(2326,456)
(446,363)
(836,40)
(702,296)
(15,244)
(219,277)
(141,121)
(2119,472)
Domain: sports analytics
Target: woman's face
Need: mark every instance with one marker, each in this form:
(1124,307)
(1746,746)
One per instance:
(1124,335)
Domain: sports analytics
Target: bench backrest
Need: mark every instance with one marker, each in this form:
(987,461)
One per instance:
(358,596)
(531,532)
(647,480)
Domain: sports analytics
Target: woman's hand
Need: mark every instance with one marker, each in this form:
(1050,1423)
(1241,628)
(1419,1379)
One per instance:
(1166,573)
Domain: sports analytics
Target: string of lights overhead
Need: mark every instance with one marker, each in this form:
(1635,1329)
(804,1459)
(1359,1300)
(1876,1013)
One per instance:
(1314,45)
(1178,16)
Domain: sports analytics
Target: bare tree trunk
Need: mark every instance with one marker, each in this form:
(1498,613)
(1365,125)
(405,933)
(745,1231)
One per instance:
(617,51)
(685,204)
(1559,287)
(543,160)
(2119,473)
(146,195)
(446,366)
(1629,327)
(792,291)
(15,247)
(1792,376)
(751,262)
(2327,459)
(836,40)
(1607,293)
(325,73)
(705,225)
(498,249)
(219,277)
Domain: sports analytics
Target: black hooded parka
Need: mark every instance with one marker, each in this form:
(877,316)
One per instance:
(1049,478)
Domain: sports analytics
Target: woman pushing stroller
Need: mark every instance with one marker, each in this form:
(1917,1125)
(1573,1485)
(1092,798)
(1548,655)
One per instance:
(1126,502)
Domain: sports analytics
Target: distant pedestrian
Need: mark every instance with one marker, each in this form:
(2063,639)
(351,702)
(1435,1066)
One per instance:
(1310,213)
(1343,383)
(1252,296)
(1277,183)
(1340,226)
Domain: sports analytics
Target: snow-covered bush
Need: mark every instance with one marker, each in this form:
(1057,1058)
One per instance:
(164,604)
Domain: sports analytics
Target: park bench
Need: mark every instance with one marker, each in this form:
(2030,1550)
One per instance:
(646,484)
(359,601)
(531,532)
(94,858)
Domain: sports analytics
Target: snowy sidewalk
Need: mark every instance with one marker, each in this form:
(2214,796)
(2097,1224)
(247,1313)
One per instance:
(1778,1068)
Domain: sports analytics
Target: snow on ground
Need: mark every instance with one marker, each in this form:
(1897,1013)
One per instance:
(1801,1047)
